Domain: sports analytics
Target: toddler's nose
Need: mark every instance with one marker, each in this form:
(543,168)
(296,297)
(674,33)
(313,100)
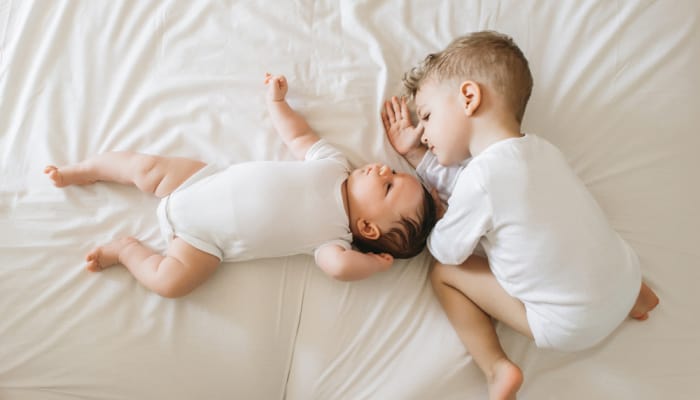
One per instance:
(383,170)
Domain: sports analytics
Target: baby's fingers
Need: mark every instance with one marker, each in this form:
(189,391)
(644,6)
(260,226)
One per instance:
(279,79)
(388,260)
(386,257)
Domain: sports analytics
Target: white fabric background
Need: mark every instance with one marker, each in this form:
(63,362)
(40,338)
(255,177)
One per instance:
(616,88)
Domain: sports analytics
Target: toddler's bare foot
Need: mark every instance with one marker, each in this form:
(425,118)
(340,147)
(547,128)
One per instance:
(69,175)
(505,380)
(646,301)
(105,256)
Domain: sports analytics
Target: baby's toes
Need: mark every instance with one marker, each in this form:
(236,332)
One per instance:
(93,261)
(93,266)
(639,315)
(54,175)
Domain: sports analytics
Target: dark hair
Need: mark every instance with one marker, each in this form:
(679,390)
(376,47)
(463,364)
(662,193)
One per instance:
(408,238)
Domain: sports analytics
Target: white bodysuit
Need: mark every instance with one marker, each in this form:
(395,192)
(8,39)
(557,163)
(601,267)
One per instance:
(262,209)
(548,242)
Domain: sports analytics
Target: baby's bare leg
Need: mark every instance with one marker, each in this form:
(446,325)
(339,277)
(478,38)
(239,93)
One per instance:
(469,293)
(646,301)
(173,275)
(152,174)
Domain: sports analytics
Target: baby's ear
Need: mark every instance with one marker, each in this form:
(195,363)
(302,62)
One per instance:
(368,230)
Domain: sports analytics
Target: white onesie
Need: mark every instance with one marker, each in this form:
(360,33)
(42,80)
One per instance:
(262,209)
(548,242)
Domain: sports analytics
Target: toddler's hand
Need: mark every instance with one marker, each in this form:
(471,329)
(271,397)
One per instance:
(276,87)
(398,126)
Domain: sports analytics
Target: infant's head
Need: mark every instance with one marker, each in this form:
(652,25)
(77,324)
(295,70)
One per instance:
(389,212)
(488,58)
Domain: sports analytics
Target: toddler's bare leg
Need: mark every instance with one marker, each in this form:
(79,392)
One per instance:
(152,174)
(469,293)
(173,275)
(646,301)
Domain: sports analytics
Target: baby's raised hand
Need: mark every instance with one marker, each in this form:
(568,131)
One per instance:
(276,87)
(398,126)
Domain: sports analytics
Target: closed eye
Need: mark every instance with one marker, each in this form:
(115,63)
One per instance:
(425,117)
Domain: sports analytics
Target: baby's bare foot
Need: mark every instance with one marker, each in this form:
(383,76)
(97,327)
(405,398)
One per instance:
(105,256)
(505,380)
(54,175)
(646,301)
(69,175)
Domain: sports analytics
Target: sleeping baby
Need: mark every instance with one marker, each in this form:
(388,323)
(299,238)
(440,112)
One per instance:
(210,214)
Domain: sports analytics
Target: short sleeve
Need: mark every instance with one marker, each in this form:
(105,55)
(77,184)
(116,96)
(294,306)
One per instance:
(338,242)
(322,150)
(468,218)
(437,176)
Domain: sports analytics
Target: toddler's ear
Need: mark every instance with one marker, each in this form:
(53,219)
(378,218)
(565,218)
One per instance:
(471,95)
(368,230)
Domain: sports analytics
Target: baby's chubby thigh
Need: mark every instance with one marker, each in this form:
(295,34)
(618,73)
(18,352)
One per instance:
(183,269)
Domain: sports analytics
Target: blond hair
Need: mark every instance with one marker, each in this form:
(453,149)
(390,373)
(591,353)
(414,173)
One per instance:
(486,57)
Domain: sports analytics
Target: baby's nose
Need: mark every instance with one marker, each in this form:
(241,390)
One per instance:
(383,170)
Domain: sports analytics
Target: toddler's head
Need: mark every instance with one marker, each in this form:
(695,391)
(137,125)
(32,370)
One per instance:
(389,212)
(486,57)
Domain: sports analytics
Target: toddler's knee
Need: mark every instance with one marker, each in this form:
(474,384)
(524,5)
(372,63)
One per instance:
(438,274)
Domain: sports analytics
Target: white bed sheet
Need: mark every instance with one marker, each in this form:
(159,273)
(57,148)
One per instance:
(616,88)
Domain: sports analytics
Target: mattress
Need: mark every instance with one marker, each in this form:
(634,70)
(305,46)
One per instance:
(616,89)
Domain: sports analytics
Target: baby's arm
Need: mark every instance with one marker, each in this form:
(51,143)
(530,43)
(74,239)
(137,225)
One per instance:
(292,127)
(351,265)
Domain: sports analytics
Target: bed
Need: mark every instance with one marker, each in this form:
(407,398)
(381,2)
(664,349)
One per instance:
(616,89)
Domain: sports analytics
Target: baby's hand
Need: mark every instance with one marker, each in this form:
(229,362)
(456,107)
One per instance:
(398,126)
(383,260)
(276,87)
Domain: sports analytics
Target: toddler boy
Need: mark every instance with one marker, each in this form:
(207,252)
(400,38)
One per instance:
(557,272)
